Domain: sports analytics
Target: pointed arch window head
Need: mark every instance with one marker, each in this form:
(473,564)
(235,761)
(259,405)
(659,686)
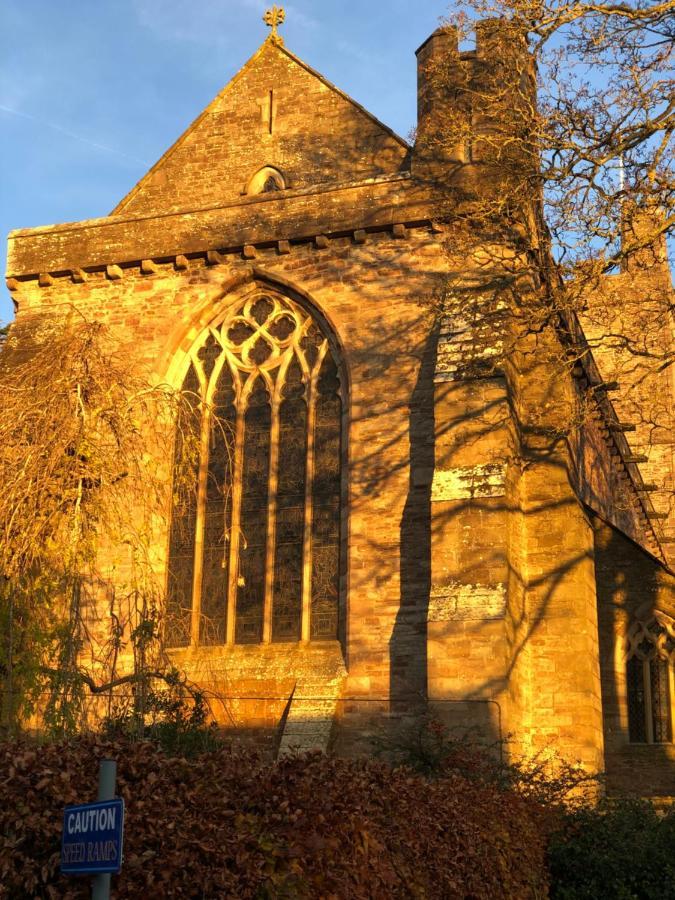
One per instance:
(650,667)
(266,180)
(254,553)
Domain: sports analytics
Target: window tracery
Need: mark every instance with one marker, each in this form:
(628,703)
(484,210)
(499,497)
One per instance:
(650,663)
(254,554)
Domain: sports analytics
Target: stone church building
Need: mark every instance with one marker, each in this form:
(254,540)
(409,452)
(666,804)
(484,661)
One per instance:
(399,516)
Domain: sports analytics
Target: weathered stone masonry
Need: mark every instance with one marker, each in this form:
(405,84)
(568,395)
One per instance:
(480,569)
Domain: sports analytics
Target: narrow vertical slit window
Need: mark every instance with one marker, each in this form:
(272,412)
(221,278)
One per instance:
(660,695)
(254,549)
(290,509)
(253,517)
(636,701)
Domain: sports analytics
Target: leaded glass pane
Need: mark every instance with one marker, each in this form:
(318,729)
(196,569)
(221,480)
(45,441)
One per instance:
(253,519)
(218,512)
(183,520)
(310,344)
(637,727)
(326,504)
(208,354)
(271,341)
(262,309)
(659,678)
(282,328)
(290,525)
(240,332)
(261,350)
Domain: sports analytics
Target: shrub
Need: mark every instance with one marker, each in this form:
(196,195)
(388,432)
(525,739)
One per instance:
(227,824)
(180,727)
(616,851)
(434,750)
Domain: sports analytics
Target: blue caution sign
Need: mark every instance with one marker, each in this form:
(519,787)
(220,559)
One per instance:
(92,838)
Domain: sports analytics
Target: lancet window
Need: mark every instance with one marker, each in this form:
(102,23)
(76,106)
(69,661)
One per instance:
(649,680)
(254,550)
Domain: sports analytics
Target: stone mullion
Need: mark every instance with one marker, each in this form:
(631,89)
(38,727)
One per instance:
(271,514)
(235,528)
(199,526)
(305,631)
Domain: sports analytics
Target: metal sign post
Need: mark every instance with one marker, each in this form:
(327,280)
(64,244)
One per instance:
(107,776)
(91,843)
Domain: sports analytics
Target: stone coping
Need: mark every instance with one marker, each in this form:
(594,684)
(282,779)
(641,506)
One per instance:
(263,220)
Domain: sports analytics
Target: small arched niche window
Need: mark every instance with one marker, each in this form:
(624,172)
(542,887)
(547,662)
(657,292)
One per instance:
(649,679)
(254,552)
(266,180)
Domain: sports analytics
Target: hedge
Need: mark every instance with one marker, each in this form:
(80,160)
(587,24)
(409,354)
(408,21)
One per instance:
(229,824)
(619,850)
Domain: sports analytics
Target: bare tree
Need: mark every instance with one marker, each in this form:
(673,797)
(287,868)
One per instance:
(555,146)
(605,116)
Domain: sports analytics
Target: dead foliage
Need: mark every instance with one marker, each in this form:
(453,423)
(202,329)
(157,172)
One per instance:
(228,824)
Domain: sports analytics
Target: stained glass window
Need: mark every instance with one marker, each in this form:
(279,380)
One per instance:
(183,520)
(326,503)
(254,550)
(290,509)
(660,696)
(649,680)
(218,511)
(637,724)
(253,517)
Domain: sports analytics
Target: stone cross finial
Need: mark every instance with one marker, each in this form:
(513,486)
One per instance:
(274,17)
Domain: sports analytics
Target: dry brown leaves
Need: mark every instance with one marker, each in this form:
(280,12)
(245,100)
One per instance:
(228,824)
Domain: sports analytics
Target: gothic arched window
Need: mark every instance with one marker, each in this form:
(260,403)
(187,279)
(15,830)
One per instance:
(254,551)
(649,680)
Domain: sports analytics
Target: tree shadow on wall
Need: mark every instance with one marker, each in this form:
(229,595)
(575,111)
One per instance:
(408,643)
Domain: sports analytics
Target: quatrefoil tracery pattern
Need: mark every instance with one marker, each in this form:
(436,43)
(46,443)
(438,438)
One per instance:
(268,504)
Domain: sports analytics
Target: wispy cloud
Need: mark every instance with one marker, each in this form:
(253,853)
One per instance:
(303,20)
(70,134)
(218,23)
(168,20)
(363,55)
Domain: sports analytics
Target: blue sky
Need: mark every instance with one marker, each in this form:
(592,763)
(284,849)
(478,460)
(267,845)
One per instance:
(92,93)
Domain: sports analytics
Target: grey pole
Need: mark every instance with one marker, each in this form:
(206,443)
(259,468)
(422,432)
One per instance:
(107,776)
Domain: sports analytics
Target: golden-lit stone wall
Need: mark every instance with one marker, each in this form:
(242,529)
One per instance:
(629,323)
(385,338)
(473,576)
